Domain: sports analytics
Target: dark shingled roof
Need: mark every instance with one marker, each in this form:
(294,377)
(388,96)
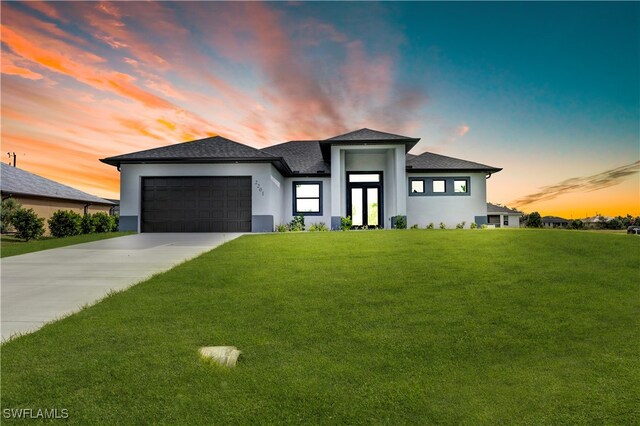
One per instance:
(494,208)
(367,135)
(303,157)
(215,147)
(554,219)
(435,162)
(20,182)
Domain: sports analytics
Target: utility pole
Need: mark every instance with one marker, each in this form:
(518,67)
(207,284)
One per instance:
(12,154)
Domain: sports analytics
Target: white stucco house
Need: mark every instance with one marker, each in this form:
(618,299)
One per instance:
(218,185)
(503,217)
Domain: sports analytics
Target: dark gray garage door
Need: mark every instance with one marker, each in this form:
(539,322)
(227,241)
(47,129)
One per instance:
(196,204)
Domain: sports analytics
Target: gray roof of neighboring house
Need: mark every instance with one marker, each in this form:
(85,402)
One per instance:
(494,208)
(214,147)
(429,161)
(554,219)
(16,181)
(368,135)
(303,157)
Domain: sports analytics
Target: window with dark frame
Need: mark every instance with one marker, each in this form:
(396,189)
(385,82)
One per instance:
(417,186)
(505,220)
(460,186)
(439,186)
(307,198)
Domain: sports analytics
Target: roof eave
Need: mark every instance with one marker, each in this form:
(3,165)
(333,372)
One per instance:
(453,170)
(325,145)
(278,162)
(51,197)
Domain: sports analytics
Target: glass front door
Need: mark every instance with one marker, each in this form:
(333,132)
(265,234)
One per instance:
(364,203)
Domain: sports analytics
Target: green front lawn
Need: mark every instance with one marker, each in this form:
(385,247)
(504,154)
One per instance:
(12,246)
(418,327)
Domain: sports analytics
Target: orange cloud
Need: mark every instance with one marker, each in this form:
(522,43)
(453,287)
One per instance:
(10,67)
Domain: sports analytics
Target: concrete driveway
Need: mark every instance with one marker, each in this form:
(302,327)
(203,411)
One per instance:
(44,286)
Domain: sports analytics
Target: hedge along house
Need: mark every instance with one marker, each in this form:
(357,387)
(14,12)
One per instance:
(218,185)
(46,196)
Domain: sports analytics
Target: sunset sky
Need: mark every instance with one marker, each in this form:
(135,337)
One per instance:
(548,91)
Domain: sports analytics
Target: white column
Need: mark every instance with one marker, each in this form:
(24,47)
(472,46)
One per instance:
(401,181)
(337,167)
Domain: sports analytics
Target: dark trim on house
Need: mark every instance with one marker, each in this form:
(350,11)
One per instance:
(365,185)
(409,169)
(294,198)
(449,186)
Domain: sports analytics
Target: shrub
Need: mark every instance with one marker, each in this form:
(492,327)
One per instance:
(9,208)
(103,222)
(442,225)
(282,228)
(116,223)
(297,224)
(321,227)
(86,224)
(415,226)
(430,225)
(461,225)
(576,224)
(401,222)
(474,225)
(483,226)
(28,225)
(534,220)
(346,223)
(64,223)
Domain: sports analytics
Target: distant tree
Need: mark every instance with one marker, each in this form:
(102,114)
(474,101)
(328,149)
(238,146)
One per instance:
(534,220)
(576,224)
(614,223)
(28,225)
(9,208)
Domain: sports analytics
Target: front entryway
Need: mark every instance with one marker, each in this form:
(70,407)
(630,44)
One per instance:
(364,199)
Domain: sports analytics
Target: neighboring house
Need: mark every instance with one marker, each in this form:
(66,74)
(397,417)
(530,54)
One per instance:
(502,216)
(45,196)
(218,185)
(115,209)
(595,222)
(554,222)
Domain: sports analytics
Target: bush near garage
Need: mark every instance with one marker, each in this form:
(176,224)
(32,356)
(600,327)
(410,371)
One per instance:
(103,222)
(86,224)
(27,224)
(64,223)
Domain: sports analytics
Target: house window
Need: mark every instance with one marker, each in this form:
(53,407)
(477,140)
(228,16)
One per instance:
(460,186)
(364,177)
(307,198)
(438,186)
(505,220)
(417,186)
